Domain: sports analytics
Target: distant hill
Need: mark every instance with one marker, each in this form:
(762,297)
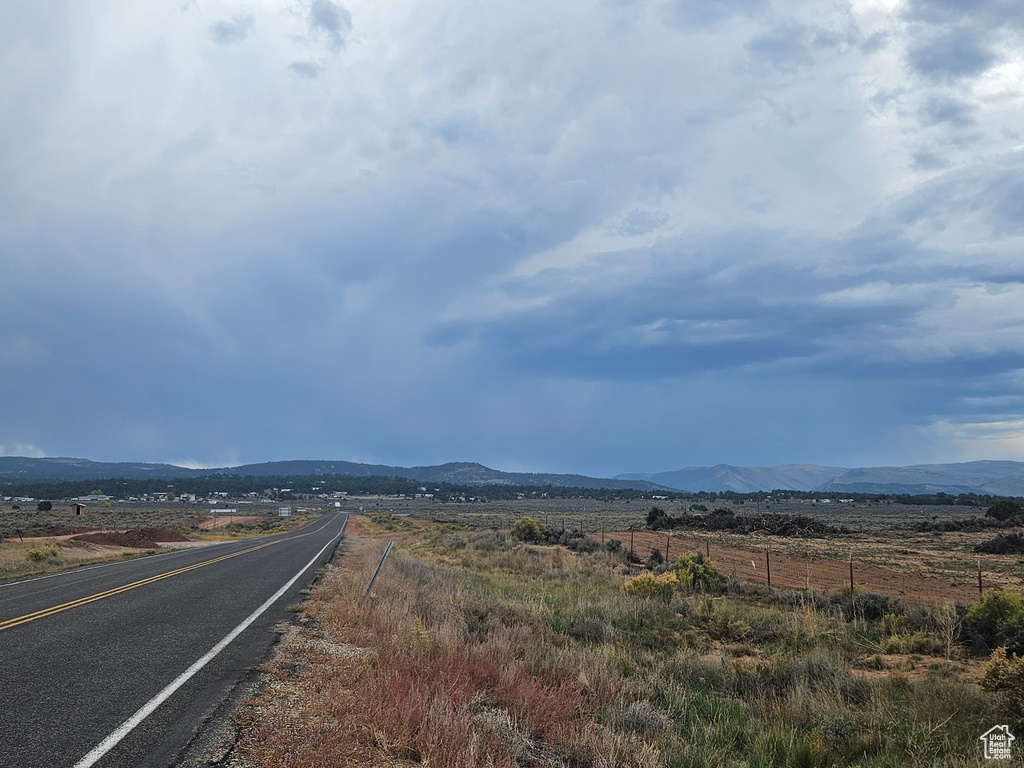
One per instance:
(725,477)
(996,478)
(16,468)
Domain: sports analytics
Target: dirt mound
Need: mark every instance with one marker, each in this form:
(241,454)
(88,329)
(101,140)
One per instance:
(141,537)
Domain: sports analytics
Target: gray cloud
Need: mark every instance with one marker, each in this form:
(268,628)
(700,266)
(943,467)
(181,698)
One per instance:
(234,31)
(687,13)
(962,51)
(784,47)
(330,20)
(945,110)
(305,69)
(637,222)
(989,13)
(193,247)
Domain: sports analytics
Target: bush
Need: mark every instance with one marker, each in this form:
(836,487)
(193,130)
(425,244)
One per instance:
(654,515)
(37,555)
(488,541)
(1003,544)
(389,522)
(694,572)
(647,585)
(1004,509)
(655,559)
(997,620)
(44,506)
(613,545)
(1004,673)
(528,529)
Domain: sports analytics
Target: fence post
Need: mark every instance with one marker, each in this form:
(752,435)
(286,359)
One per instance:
(980,593)
(707,548)
(852,597)
(668,543)
(768,565)
(387,551)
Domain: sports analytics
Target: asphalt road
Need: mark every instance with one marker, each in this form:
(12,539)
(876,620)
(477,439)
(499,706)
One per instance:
(84,651)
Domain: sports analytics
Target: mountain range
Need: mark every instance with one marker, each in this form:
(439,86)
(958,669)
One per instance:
(17,468)
(996,478)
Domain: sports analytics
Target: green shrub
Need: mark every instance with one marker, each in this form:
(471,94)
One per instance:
(389,522)
(997,620)
(655,515)
(528,529)
(647,585)
(694,572)
(488,541)
(36,555)
(1004,673)
(1004,509)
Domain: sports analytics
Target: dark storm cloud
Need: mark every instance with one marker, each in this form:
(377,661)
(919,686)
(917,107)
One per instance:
(234,31)
(556,235)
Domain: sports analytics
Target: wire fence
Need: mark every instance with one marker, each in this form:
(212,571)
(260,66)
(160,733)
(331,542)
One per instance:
(962,582)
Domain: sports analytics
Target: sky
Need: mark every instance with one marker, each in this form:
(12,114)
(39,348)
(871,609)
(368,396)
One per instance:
(599,237)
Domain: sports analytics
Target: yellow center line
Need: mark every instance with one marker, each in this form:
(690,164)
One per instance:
(143,582)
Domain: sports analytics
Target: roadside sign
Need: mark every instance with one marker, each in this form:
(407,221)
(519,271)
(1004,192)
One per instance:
(284,511)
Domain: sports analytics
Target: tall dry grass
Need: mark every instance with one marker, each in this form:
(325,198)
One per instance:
(480,653)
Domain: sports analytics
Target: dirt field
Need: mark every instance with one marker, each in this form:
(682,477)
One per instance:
(803,564)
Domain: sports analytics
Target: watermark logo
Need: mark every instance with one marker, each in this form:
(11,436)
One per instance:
(997,742)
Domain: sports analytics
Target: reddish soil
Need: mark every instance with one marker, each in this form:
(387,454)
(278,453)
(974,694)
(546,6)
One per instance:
(143,538)
(807,571)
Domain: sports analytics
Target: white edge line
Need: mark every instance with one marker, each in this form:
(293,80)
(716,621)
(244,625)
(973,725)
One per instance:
(147,709)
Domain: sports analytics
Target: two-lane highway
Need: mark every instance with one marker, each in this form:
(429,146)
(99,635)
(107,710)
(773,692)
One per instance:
(117,665)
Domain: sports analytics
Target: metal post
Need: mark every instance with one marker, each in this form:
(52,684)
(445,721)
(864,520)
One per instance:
(387,551)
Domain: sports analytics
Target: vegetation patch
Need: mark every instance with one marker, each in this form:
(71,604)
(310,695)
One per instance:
(1003,544)
(481,649)
(723,519)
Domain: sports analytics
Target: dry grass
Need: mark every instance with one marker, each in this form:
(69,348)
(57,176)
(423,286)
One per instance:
(473,652)
(57,555)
